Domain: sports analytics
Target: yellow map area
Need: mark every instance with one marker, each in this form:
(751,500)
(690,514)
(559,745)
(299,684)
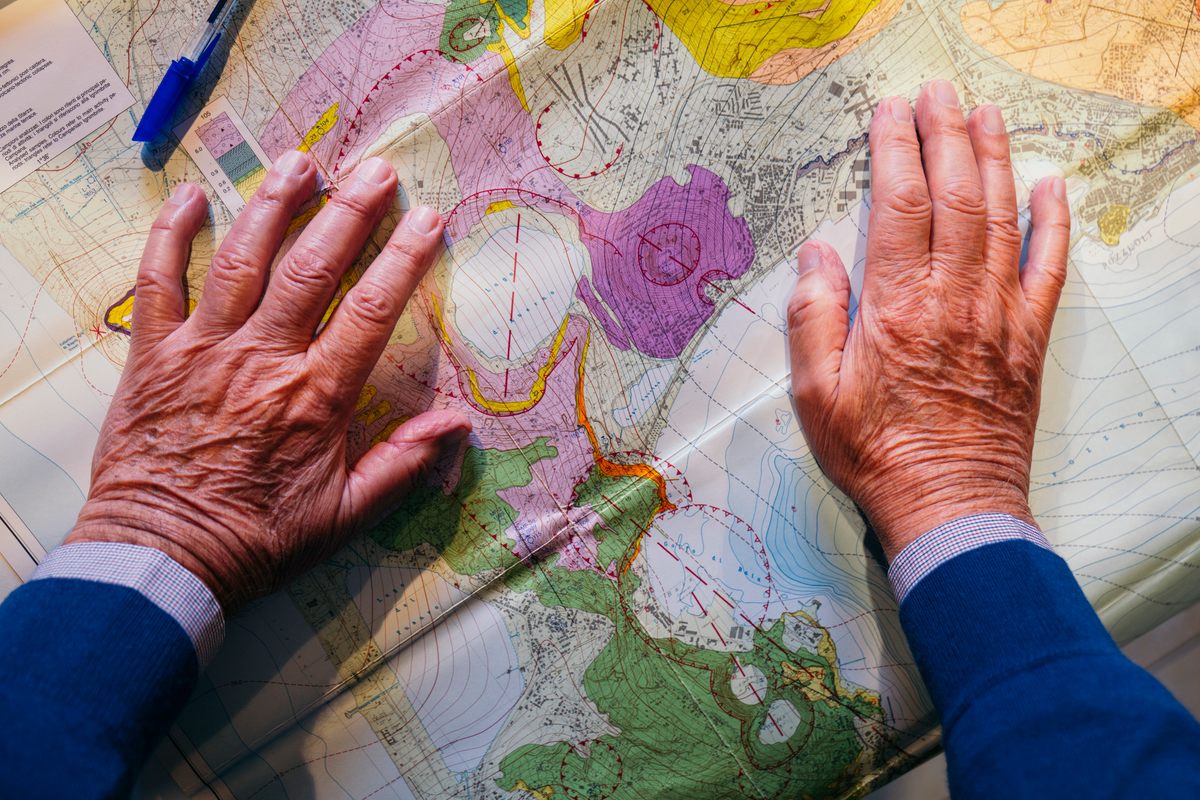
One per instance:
(536,391)
(564,21)
(773,41)
(1147,51)
(322,126)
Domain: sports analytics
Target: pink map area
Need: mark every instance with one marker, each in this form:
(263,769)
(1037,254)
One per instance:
(654,264)
(651,262)
(220,135)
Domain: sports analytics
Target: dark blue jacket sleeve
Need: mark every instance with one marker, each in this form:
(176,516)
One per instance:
(91,676)
(1035,698)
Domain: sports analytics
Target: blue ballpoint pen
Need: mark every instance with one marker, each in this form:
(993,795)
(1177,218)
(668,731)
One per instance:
(182,73)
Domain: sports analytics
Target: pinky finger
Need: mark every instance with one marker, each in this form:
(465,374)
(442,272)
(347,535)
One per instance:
(1045,268)
(158,309)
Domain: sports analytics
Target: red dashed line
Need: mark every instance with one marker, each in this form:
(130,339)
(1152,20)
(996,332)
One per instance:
(657,27)
(577,175)
(358,111)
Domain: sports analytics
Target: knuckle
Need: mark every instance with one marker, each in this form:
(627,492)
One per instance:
(273,195)
(1004,231)
(153,281)
(165,223)
(354,203)
(373,304)
(308,270)
(963,197)
(800,304)
(908,198)
(405,251)
(230,263)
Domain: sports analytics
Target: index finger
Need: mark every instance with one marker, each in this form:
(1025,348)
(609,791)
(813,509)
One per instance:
(901,214)
(355,336)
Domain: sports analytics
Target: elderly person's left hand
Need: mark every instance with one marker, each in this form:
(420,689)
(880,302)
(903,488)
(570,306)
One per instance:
(225,446)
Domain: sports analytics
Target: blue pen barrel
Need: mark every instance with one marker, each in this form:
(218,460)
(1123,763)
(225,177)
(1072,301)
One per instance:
(166,99)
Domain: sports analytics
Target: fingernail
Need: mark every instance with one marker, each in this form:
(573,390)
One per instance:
(810,257)
(943,92)
(183,194)
(293,162)
(422,219)
(993,120)
(374,170)
(1059,187)
(901,111)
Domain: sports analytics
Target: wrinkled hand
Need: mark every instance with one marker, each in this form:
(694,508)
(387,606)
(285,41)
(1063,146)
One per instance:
(225,445)
(924,410)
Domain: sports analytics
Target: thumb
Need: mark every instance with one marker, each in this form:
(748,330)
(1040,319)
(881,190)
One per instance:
(389,469)
(818,323)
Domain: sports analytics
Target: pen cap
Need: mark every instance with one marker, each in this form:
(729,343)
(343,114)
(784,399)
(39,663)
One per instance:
(166,98)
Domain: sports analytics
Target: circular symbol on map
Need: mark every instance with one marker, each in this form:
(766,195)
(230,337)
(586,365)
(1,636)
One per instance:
(700,578)
(679,491)
(467,34)
(668,253)
(590,770)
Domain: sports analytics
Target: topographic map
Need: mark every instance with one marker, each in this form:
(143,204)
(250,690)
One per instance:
(637,584)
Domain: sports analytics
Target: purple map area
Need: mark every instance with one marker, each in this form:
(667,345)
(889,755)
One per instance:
(651,262)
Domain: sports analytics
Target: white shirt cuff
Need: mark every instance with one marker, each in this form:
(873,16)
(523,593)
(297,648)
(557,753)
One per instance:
(158,577)
(930,550)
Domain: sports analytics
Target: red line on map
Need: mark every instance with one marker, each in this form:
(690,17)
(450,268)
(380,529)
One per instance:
(718,633)
(694,575)
(506,381)
(721,597)
(509,353)
(668,552)
(518,229)
(512,306)
(743,305)
(577,175)
(647,241)
(697,599)
(710,283)
(616,507)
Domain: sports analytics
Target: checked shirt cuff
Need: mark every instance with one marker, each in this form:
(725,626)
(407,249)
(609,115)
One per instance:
(930,550)
(158,577)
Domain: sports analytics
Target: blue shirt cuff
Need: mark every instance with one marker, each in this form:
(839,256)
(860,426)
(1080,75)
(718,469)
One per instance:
(932,549)
(159,578)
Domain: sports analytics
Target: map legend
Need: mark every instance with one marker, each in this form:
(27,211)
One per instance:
(218,141)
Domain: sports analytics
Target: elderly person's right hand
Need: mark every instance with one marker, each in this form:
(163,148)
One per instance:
(924,410)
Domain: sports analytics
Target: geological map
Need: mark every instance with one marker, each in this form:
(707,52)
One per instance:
(636,583)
